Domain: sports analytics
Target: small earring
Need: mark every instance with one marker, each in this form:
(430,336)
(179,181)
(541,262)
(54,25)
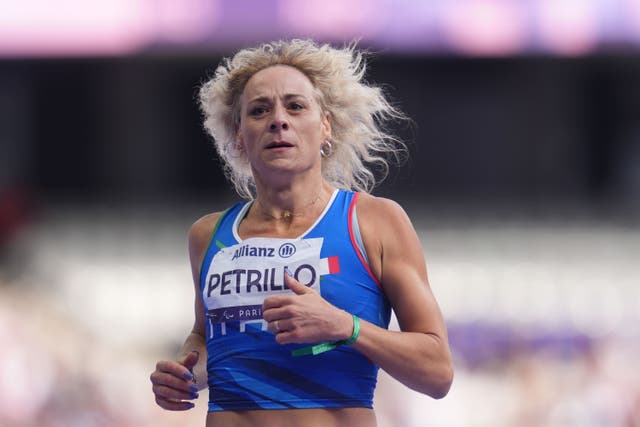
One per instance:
(235,150)
(326,149)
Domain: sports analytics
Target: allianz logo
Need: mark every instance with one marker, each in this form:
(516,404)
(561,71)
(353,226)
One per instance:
(285,251)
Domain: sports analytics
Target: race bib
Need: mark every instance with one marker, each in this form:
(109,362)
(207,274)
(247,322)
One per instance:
(242,275)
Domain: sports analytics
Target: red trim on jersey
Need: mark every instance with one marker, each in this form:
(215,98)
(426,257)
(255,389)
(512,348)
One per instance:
(353,240)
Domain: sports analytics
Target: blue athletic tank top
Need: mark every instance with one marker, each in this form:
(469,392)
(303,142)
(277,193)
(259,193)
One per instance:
(247,368)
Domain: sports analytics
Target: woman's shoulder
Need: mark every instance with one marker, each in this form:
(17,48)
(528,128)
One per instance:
(383,220)
(201,231)
(383,225)
(374,208)
(205,225)
(206,222)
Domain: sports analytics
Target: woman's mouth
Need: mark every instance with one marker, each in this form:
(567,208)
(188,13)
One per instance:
(278,144)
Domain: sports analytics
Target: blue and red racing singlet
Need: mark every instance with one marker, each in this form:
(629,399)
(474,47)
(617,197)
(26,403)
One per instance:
(247,369)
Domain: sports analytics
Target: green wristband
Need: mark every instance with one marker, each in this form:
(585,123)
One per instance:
(327,346)
(314,349)
(356,331)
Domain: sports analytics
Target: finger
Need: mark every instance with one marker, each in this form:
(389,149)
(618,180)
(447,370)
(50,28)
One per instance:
(169,380)
(276,313)
(173,394)
(190,359)
(297,287)
(287,337)
(275,326)
(174,368)
(173,405)
(279,326)
(276,302)
(177,369)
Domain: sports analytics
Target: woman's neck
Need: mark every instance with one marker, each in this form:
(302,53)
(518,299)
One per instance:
(294,200)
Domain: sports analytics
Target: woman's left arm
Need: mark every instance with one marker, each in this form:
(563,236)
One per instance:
(419,355)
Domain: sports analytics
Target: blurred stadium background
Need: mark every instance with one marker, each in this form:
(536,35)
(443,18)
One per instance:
(523,184)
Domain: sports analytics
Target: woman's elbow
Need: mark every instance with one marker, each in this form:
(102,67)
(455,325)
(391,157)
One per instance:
(442,384)
(436,381)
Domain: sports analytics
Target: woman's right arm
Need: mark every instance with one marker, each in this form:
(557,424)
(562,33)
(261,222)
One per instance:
(176,382)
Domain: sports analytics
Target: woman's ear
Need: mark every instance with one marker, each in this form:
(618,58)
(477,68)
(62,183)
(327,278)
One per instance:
(326,125)
(239,140)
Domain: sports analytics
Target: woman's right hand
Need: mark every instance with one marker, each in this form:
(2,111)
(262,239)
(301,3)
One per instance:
(174,384)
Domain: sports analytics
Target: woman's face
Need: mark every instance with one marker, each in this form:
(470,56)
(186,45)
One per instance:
(281,123)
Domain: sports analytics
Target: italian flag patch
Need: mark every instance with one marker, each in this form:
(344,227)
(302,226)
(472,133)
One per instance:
(329,265)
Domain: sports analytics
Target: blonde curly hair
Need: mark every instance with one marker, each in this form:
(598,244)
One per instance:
(357,111)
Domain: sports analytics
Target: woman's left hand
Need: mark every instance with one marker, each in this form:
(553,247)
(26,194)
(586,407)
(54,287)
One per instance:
(305,317)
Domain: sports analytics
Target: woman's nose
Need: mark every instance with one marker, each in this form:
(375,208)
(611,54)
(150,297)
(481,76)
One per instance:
(279,124)
(279,121)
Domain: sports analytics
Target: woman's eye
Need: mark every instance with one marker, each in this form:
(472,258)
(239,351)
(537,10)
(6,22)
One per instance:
(257,111)
(296,106)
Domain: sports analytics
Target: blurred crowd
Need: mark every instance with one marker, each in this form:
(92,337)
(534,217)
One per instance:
(528,381)
(54,373)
